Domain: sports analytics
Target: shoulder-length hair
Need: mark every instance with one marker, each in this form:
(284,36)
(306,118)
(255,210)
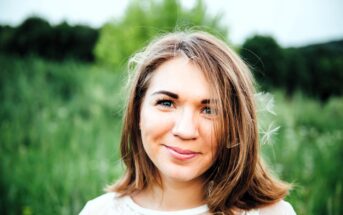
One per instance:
(237,179)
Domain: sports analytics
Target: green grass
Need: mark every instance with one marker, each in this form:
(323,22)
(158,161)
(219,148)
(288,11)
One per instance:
(59,135)
(60,127)
(308,151)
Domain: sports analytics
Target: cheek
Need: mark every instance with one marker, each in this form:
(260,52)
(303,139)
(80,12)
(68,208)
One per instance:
(146,118)
(153,124)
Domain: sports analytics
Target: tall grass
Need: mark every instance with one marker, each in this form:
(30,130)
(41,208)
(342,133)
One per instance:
(60,127)
(308,151)
(59,133)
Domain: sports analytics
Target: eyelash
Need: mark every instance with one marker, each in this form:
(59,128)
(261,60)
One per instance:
(206,109)
(163,103)
(168,103)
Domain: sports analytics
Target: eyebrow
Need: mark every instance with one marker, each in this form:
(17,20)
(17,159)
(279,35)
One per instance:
(209,101)
(170,94)
(206,101)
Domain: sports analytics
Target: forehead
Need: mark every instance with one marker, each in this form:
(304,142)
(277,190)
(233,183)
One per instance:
(180,75)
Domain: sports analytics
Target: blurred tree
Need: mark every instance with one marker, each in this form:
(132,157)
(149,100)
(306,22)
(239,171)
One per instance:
(266,58)
(6,33)
(73,42)
(36,36)
(325,69)
(297,75)
(315,69)
(87,39)
(32,36)
(62,38)
(145,19)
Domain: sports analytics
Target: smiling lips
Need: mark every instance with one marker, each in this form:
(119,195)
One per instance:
(181,154)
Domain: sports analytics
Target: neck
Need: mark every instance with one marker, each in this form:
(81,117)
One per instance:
(174,195)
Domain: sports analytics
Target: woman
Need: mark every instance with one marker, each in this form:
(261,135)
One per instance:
(190,137)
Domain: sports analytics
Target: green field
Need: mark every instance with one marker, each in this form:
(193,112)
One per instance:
(60,127)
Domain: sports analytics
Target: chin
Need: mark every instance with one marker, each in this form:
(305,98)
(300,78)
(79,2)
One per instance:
(181,176)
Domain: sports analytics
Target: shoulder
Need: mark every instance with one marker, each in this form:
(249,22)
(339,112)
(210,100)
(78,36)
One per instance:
(100,204)
(282,207)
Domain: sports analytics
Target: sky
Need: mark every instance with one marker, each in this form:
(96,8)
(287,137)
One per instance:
(290,22)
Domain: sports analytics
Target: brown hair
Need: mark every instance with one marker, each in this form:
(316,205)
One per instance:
(237,179)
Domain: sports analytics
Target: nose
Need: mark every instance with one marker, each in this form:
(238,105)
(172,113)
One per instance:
(186,126)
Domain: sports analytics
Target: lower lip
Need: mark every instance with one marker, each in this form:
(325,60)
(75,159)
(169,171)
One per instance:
(180,156)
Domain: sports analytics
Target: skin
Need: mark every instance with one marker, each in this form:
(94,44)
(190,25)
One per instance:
(176,123)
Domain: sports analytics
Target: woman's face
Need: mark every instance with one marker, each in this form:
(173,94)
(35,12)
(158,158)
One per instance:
(177,121)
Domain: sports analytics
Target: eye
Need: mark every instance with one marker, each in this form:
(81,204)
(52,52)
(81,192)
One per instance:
(165,103)
(209,111)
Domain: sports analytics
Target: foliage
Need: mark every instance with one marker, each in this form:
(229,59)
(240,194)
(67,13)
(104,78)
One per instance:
(316,70)
(35,36)
(324,64)
(60,125)
(144,20)
(265,56)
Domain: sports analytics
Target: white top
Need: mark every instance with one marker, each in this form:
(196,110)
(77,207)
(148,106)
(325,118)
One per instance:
(110,204)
